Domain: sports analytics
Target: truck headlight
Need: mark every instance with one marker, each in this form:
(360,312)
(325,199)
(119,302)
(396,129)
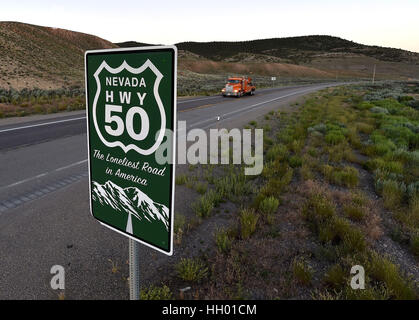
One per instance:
(235,90)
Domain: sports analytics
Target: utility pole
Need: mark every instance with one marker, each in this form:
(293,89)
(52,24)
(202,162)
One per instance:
(373,74)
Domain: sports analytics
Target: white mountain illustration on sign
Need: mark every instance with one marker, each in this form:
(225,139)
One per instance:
(133,201)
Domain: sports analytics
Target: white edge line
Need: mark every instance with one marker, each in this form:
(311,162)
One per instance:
(41,124)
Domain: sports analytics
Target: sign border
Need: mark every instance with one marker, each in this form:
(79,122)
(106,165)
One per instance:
(174,122)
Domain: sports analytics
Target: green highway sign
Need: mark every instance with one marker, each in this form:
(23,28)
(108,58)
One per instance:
(131,115)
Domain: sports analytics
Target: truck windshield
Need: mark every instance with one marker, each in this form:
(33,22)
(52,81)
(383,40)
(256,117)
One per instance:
(233,81)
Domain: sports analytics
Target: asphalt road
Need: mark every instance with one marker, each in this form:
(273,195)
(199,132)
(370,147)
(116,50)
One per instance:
(44,209)
(36,131)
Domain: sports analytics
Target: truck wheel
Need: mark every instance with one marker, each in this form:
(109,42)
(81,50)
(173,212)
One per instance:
(252,93)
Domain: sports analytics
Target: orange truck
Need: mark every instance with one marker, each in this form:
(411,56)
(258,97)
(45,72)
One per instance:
(238,86)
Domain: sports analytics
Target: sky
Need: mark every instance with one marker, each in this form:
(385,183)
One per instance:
(384,23)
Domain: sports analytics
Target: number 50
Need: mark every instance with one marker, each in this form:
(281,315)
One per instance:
(129,121)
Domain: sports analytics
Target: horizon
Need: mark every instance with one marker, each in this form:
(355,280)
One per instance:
(373,23)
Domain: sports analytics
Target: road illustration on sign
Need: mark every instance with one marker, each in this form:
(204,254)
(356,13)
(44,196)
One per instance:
(131,106)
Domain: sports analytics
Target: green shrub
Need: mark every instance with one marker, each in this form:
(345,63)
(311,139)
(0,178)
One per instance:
(267,128)
(180,222)
(302,272)
(295,161)
(392,193)
(400,133)
(364,105)
(403,99)
(204,205)
(269,205)
(321,127)
(223,241)
(354,241)
(248,222)
(336,277)
(312,152)
(233,185)
(414,244)
(334,137)
(414,104)
(333,230)
(381,145)
(387,166)
(346,176)
(201,187)
(306,172)
(364,127)
(191,269)
(358,198)
(354,212)
(350,176)
(393,166)
(381,269)
(181,179)
(279,176)
(371,293)
(379,110)
(277,152)
(156,293)
(267,142)
(413,190)
(318,210)
(179,227)
(296,145)
(37,108)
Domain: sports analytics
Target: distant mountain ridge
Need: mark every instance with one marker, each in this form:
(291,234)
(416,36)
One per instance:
(299,49)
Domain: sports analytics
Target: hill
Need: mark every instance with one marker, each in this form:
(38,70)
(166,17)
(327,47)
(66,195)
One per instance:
(297,49)
(50,58)
(35,56)
(308,56)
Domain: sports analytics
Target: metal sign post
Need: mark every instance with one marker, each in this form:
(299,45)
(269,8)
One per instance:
(134,270)
(131,126)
